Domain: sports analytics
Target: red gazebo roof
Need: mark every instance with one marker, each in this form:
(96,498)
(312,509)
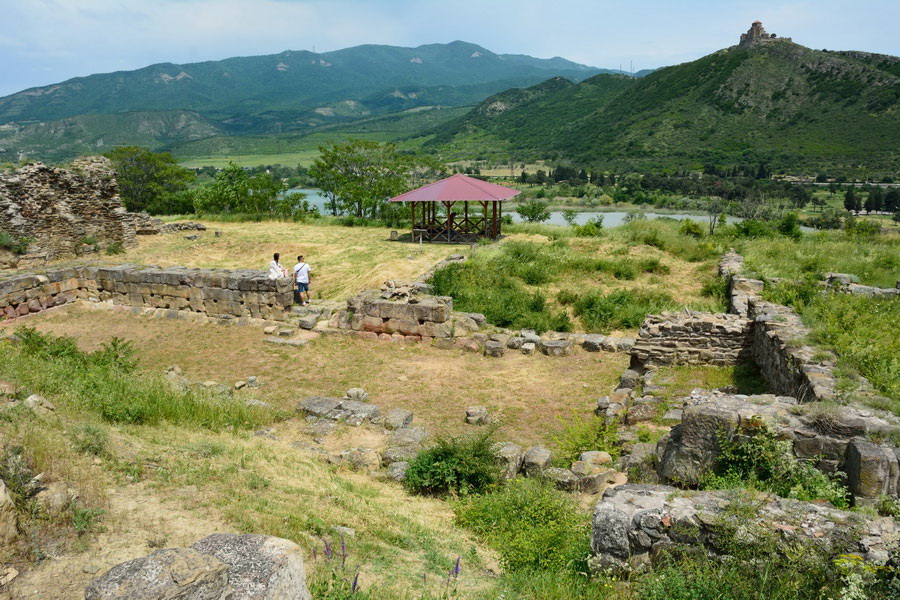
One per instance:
(458,188)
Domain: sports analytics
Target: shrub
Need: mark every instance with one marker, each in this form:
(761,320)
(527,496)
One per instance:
(16,245)
(756,457)
(620,309)
(532,526)
(690,228)
(751,229)
(90,439)
(454,465)
(582,434)
(593,228)
(789,226)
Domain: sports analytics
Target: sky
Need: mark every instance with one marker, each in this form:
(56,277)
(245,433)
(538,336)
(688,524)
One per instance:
(47,41)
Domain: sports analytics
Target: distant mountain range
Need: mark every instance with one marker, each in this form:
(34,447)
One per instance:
(166,104)
(775,102)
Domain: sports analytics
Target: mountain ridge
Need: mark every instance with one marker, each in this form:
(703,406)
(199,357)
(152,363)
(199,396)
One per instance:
(778,101)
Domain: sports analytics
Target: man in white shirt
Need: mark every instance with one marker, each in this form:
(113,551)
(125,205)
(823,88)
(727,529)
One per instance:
(301,277)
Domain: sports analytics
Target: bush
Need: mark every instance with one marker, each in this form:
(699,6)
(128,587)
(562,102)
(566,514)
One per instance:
(789,226)
(582,434)
(690,228)
(532,526)
(593,228)
(455,465)
(755,457)
(751,229)
(16,245)
(620,309)
(90,439)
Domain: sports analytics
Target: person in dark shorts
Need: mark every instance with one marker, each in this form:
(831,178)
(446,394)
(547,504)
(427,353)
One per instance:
(301,278)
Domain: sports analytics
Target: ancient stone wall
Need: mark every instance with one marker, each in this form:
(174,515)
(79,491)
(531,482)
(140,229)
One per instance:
(835,439)
(215,293)
(58,209)
(636,524)
(788,366)
(693,337)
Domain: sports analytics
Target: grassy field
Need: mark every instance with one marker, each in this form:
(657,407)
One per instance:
(238,482)
(345,260)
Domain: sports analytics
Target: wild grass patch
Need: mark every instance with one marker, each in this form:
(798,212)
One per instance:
(104,382)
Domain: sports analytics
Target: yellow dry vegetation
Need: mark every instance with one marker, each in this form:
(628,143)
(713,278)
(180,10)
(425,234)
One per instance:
(344,260)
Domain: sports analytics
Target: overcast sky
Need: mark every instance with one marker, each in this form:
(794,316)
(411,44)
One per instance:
(46,41)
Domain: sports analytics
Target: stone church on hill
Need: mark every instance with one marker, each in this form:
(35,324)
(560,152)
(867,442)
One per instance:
(757,35)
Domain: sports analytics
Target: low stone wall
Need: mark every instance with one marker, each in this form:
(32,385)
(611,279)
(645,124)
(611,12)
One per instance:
(836,439)
(422,316)
(214,293)
(693,338)
(634,525)
(789,367)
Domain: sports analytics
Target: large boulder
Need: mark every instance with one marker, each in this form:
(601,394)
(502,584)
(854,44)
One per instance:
(872,470)
(260,567)
(8,518)
(219,567)
(536,460)
(172,574)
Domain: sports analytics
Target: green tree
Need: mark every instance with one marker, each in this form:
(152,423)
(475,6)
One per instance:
(150,181)
(235,190)
(851,201)
(534,210)
(875,200)
(359,176)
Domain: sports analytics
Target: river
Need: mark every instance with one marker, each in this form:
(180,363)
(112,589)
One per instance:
(610,219)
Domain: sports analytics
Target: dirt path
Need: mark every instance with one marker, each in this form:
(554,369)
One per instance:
(138,522)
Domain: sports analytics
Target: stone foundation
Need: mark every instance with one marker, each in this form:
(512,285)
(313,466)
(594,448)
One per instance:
(635,525)
(215,293)
(693,338)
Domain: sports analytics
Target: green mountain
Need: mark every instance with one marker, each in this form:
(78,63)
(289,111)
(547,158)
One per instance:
(778,102)
(291,91)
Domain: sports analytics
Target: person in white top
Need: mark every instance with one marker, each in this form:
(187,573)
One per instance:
(275,268)
(301,276)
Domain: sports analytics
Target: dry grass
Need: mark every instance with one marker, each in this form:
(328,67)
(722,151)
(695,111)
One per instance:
(345,260)
(527,393)
(239,482)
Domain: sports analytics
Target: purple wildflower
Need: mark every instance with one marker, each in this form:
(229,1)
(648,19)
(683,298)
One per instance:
(327,548)
(456,568)
(355,586)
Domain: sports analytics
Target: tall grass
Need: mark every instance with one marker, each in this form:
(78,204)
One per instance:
(620,309)
(105,382)
(875,260)
(863,332)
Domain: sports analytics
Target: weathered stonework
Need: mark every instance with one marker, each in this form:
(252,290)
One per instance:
(836,439)
(59,209)
(692,337)
(634,525)
(214,293)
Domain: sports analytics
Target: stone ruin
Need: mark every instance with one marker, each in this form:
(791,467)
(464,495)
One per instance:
(757,35)
(66,212)
(637,523)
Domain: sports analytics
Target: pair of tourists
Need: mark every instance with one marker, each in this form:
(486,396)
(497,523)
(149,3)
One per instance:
(301,277)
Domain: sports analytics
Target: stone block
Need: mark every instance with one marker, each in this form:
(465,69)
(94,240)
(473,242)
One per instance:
(556,347)
(494,348)
(536,460)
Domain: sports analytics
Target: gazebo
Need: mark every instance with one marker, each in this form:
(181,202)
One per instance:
(452,225)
